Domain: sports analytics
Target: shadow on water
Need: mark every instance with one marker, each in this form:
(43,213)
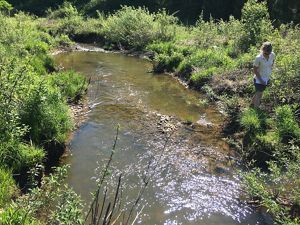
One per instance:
(194,183)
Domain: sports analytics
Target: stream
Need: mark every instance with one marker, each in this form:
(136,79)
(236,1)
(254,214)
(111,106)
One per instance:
(193,177)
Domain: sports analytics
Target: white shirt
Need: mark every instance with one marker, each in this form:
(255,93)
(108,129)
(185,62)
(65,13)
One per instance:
(264,66)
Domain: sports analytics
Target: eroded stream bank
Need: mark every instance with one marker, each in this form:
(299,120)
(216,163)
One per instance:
(194,182)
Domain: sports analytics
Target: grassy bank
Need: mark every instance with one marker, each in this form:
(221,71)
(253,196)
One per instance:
(35,122)
(214,57)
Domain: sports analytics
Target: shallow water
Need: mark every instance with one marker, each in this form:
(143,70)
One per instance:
(192,178)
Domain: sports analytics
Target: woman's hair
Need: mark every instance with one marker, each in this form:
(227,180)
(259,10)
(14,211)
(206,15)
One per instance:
(266,46)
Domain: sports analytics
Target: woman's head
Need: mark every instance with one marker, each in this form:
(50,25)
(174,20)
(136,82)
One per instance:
(266,48)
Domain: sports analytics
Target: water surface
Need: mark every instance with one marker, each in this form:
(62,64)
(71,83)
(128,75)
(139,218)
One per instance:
(192,182)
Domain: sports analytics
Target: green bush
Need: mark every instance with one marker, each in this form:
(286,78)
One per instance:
(185,68)
(165,26)
(286,75)
(130,27)
(51,121)
(256,24)
(168,63)
(136,27)
(18,156)
(66,10)
(12,216)
(168,55)
(198,79)
(286,125)
(51,203)
(71,85)
(8,187)
(68,26)
(251,121)
(211,58)
(277,190)
(208,34)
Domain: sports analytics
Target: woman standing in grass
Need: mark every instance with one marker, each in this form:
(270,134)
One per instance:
(263,66)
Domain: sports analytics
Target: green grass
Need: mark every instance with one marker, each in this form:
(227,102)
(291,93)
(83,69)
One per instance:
(71,85)
(8,188)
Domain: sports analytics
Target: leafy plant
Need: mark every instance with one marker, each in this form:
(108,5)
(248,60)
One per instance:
(8,187)
(71,85)
(286,125)
(256,23)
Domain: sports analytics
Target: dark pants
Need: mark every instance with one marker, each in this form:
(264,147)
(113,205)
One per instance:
(259,87)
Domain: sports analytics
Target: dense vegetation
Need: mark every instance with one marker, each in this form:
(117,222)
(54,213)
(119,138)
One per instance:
(283,11)
(213,56)
(35,118)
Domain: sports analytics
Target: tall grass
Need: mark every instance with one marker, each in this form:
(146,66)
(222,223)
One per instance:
(33,113)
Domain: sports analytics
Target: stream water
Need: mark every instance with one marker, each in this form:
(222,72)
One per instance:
(192,178)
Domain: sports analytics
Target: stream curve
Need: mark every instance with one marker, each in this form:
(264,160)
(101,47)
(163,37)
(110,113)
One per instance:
(193,180)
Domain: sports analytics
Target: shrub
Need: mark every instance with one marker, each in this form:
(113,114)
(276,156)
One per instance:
(136,27)
(8,187)
(286,125)
(168,55)
(256,23)
(165,26)
(168,63)
(277,190)
(286,75)
(51,121)
(167,48)
(51,203)
(211,58)
(130,27)
(71,85)
(14,215)
(185,68)
(250,120)
(66,10)
(198,79)
(68,26)
(18,156)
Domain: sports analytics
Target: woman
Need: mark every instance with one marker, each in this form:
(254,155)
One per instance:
(262,68)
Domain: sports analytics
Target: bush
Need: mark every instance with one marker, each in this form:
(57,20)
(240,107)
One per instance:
(66,10)
(8,187)
(286,125)
(277,190)
(211,58)
(287,72)
(198,79)
(51,203)
(71,85)
(169,48)
(165,26)
(168,55)
(136,27)
(68,26)
(168,63)
(256,24)
(250,121)
(19,157)
(130,27)
(51,121)
(12,216)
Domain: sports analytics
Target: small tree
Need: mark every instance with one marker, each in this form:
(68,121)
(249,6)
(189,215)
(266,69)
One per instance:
(256,23)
